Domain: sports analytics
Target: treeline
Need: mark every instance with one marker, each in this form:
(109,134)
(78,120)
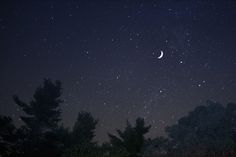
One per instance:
(207,131)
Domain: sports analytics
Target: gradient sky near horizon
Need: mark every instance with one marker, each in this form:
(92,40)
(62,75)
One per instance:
(106,55)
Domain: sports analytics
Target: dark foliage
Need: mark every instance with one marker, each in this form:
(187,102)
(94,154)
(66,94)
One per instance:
(81,137)
(158,147)
(129,142)
(42,114)
(207,131)
(84,128)
(7,136)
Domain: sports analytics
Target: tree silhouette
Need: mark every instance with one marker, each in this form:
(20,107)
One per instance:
(84,128)
(7,137)
(41,119)
(131,140)
(42,112)
(82,135)
(159,146)
(208,130)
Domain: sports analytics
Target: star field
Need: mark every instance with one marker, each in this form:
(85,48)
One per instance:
(106,55)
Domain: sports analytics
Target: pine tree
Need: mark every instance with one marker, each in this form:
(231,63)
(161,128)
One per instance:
(7,137)
(82,144)
(42,112)
(41,119)
(131,140)
(84,128)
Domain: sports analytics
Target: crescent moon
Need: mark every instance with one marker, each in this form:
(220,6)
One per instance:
(161,55)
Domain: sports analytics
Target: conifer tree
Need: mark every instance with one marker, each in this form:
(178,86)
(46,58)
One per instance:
(41,118)
(7,137)
(131,140)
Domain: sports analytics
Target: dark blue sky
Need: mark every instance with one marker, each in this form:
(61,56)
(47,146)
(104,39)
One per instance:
(106,55)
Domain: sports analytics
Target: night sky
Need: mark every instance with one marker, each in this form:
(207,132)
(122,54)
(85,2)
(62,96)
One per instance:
(106,55)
